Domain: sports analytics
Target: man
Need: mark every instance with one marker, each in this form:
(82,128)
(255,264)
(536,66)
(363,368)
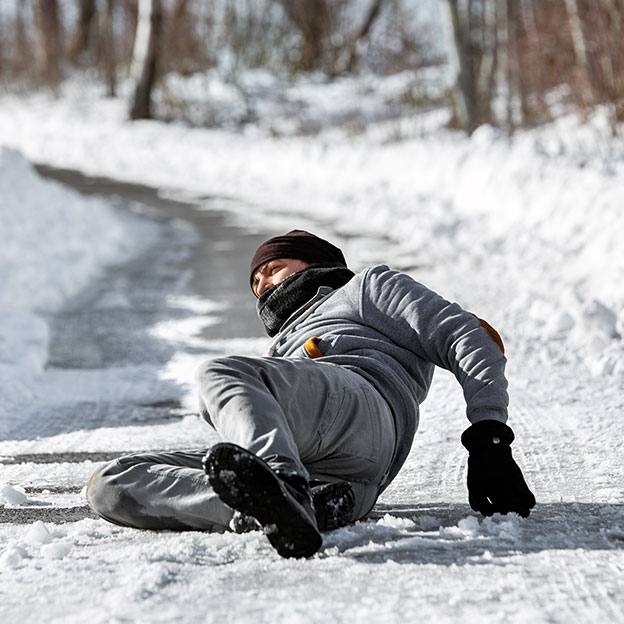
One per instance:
(315,431)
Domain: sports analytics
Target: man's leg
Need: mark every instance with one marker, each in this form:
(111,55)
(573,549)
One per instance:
(323,420)
(286,411)
(158,491)
(171,491)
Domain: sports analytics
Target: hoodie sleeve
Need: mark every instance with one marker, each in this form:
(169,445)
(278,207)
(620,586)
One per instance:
(438,331)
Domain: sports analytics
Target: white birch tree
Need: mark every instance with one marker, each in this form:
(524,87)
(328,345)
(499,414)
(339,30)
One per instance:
(145,56)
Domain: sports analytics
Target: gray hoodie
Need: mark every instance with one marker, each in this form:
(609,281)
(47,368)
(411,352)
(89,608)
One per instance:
(393,331)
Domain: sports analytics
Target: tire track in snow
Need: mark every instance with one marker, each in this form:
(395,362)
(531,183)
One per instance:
(558,461)
(565,449)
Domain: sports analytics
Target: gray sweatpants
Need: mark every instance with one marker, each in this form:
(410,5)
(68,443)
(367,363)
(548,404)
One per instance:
(328,421)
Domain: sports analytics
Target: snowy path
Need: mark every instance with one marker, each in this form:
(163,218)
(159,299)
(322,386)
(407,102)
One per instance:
(101,390)
(121,360)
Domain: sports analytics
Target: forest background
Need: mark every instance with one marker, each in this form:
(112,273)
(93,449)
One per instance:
(509,63)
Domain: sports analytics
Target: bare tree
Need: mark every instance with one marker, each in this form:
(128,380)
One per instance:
(49,49)
(457,32)
(82,36)
(183,53)
(607,55)
(503,78)
(312,20)
(479,43)
(147,46)
(107,49)
(531,79)
(580,51)
(615,20)
(21,40)
(371,17)
(484,59)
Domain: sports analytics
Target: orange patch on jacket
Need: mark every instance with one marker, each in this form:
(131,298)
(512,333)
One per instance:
(311,347)
(494,335)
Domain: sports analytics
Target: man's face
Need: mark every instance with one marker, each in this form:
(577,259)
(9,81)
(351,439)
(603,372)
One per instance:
(273,272)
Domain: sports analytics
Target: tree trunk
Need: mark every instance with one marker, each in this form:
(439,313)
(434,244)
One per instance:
(145,57)
(373,14)
(614,15)
(311,18)
(84,30)
(49,48)
(485,77)
(21,43)
(180,40)
(580,51)
(532,75)
(109,61)
(457,30)
(503,72)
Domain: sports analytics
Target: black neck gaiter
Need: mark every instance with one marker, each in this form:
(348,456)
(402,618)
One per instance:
(278,303)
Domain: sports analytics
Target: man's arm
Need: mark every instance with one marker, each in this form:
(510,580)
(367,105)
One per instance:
(448,336)
(440,332)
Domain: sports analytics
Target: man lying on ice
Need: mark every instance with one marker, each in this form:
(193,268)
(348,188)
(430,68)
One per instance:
(316,430)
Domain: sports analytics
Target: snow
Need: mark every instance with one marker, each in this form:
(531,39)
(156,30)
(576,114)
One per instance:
(525,231)
(53,241)
(11,495)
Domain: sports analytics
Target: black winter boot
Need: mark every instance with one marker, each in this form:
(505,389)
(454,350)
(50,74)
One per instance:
(333,505)
(281,503)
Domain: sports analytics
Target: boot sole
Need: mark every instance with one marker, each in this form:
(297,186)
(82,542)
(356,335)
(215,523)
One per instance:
(245,483)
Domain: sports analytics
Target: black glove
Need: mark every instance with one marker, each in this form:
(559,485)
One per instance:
(495,481)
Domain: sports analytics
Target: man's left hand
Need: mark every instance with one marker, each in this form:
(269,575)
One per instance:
(495,481)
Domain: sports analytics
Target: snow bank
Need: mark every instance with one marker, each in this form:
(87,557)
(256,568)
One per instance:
(53,241)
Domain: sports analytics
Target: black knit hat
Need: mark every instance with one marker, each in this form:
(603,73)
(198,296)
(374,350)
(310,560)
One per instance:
(299,245)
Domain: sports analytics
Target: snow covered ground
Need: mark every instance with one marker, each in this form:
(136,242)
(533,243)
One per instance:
(53,241)
(524,231)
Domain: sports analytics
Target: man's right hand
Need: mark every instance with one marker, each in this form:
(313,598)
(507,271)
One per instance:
(495,481)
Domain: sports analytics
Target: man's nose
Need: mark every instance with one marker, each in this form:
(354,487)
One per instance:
(263,284)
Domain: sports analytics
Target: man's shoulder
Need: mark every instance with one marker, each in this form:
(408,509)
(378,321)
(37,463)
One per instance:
(378,268)
(381,274)
(374,270)
(367,277)
(375,282)
(380,280)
